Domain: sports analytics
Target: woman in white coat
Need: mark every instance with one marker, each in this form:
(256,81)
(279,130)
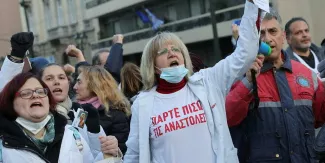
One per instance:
(181,117)
(32,131)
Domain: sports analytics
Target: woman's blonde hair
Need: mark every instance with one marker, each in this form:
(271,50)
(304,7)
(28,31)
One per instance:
(131,81)
(103,85)
(150,53)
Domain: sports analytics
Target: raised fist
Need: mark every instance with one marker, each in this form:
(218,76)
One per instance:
(73,51)
(20,43)
(118,38)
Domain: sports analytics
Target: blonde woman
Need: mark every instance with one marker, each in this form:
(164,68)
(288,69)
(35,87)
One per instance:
(97,87)
(131,81)
(180,117)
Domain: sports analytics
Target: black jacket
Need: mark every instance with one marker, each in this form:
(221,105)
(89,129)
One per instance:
(115,123)
(318,52)
(13,137)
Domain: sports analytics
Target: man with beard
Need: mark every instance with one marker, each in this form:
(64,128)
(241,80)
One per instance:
(300,47)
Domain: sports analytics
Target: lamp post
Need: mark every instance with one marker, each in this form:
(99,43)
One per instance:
(26,5)
(216,48)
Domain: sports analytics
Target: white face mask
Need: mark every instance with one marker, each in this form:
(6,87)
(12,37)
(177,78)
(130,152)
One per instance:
(173,74)
(32,126)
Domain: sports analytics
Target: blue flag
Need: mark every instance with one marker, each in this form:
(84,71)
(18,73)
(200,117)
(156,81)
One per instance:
(144,18)
(156,23)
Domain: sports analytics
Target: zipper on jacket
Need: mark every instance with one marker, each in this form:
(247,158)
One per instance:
(283,117)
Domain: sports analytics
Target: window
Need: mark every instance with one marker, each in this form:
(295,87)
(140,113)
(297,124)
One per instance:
(47,13)
(117,28)
(127,24)
(183,10)
(207,6)
(196,8)
(59,13)
(106,28)
(72,11)
(141,25)
(30,18)
(172,15)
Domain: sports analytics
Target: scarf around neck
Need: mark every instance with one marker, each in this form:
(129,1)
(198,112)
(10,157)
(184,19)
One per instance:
(48,137)
(94,101)
(164,87)
(64,107)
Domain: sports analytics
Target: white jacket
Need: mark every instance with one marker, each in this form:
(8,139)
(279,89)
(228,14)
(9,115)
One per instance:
(211,87)
(8,71)
(69,152)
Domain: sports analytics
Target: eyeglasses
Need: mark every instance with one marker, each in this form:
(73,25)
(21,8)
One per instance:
(28,93)
(165,50)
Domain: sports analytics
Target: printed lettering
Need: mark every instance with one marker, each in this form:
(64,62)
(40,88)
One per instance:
(157,132)
(192,120)
(171,119)
(172,126)
(197,119)
(185,110)
(199,105)
(171,113)
(154,120)
(176,113)
(202,117)
(186,120)
(167,128)
(190,108)
(165,115)
(182,124)
(178,126)
(160,120)
(195,109)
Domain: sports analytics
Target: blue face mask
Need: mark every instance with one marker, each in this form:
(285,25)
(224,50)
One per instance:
(173,74)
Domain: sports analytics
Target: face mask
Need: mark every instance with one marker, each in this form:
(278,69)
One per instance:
(173,74)
(31,126)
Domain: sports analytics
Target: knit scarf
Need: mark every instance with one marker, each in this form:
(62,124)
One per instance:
(94,101)
(47,138)
(64,107)
(164,87)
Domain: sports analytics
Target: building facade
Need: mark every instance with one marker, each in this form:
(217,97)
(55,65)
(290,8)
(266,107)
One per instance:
(91,24)
(311,10)
(189,19)
(9,25)
(56,24)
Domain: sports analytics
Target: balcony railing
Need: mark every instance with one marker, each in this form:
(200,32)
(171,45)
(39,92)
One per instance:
(177,26)
(95,3)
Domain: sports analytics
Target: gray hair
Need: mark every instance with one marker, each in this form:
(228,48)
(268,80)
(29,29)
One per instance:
(96,59)
(273,14)
(150,52)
